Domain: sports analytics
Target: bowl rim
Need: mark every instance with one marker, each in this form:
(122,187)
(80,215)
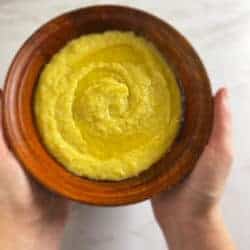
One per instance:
(8,117)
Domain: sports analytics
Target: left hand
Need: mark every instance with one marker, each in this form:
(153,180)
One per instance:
(26,208)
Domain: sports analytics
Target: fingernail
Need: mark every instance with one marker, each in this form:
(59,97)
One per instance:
(225,92)
(224,96)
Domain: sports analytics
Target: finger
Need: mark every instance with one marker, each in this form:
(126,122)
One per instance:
(221,138)
(214,164)
(1,118)
(219,149)
(3,147)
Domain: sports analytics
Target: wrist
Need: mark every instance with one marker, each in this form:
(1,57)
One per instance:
(178,230)
(21,233)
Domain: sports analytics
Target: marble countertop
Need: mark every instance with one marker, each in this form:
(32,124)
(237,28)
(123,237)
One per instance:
(220,32)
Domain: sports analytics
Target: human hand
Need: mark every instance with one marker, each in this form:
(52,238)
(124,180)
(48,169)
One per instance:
(196,201)
(30,216)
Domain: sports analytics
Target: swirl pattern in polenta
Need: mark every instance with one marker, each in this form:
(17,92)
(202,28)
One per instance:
(108,106)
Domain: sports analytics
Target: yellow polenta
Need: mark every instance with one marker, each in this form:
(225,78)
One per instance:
(107,105)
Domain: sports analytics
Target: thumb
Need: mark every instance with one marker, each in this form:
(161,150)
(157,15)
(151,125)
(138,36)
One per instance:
(3,147)
(214,164)
(1,115)
(221,138)
(1,93)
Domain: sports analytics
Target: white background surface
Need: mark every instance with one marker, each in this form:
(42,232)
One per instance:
(220,32)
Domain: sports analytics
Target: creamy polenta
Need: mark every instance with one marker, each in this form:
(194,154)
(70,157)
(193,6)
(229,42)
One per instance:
(108,106)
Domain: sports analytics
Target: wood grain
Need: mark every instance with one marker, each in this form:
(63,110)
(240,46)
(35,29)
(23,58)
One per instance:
(21,82)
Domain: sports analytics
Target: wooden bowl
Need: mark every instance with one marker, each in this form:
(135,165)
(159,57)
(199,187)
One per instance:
(22,78)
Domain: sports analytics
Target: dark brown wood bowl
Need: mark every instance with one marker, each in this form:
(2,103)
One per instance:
(22,78)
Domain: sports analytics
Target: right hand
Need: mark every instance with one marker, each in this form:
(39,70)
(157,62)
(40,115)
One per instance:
(200,193)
